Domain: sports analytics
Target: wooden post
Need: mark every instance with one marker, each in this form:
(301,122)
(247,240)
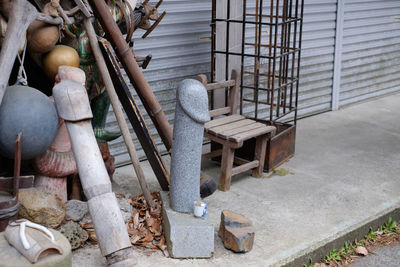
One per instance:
(259,154)
(73,106)
(225,177)
(21,15)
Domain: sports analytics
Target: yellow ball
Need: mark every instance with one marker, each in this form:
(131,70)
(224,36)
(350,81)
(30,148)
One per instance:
(61,55)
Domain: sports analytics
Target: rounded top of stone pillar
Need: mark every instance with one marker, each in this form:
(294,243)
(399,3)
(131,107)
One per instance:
(193,99)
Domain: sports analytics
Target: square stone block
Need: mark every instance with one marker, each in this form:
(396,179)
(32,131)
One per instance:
(186,235)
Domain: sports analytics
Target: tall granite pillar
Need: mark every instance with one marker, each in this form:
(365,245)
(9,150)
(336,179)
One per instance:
(190,115)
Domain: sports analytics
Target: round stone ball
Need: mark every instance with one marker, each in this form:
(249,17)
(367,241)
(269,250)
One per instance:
(27,110)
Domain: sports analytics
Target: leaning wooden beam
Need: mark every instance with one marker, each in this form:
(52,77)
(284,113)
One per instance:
(73,106)
(105,75)
(135,116)
(21,15)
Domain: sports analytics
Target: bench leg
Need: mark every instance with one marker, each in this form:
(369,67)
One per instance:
(225,176)
(259,154)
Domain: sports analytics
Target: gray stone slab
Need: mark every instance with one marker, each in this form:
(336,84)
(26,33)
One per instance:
(186,235)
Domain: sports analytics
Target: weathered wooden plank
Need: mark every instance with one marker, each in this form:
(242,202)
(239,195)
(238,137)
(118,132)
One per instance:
(21,14)
(219,85)
(234,92)
(7,183)
(220,111)
(252,133)
(230,126)
(225,176)
(222,141)
(259,154)
(245,167)
(223,120)
(240,129)
(212,154)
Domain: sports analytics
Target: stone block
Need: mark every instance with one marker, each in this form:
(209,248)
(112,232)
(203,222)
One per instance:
(186,235)
(41,207)
(74,233)
(76,210)
(236,232)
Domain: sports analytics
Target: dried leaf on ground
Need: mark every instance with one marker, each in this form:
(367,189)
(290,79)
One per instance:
(135,219)
(145,228)
(134,239)
(361,251)
(92,235)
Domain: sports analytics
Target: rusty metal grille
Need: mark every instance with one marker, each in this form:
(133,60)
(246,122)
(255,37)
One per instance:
(271,33)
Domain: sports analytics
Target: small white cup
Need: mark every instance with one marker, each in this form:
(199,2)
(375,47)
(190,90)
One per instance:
(200,209)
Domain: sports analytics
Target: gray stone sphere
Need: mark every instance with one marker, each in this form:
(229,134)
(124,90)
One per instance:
(27,110)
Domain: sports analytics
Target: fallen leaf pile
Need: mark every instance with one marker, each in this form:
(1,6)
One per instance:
(145,227)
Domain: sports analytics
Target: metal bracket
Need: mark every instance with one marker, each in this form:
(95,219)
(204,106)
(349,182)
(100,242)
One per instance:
(151,13)
(143,62)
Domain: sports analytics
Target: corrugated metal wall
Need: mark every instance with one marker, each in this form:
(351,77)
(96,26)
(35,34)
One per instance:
(178,52)
(370,55)
(316,71)
(371,50)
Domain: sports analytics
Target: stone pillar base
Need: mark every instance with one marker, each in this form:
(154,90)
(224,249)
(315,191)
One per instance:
(186,235)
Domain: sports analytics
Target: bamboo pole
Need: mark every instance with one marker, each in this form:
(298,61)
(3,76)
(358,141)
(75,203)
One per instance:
(117,110)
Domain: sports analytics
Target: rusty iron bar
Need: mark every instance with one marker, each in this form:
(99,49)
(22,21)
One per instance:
(127,58)
(17,165)
(244,5)
(278,89)
(9,206)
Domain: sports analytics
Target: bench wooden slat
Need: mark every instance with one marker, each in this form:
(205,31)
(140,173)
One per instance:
(221,121)
(230,126)
(220,85)
(245,167)
(220,111)
(241,129)
(212,154)
(252,133)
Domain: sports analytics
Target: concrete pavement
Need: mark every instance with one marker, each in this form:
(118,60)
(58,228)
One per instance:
(381,257)
(346,178)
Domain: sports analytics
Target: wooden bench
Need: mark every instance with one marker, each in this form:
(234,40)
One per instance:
(231,131)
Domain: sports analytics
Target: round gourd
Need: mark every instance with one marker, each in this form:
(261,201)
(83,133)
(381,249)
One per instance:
(60,55)
(27,110)
(42,37)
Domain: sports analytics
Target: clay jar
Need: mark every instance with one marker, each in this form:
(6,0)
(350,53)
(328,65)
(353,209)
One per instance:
(42,37)
(60,55)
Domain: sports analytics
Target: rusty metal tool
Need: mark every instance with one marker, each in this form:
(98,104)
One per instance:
(9,188)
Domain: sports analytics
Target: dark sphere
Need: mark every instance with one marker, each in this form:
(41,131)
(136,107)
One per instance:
(27,110)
